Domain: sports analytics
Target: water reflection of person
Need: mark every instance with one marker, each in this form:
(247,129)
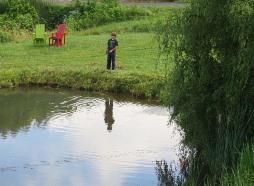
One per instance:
(108,115)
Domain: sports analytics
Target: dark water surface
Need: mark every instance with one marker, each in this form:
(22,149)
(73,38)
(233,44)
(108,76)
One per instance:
(56,137)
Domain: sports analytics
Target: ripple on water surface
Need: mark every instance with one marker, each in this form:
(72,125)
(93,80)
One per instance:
(78,138)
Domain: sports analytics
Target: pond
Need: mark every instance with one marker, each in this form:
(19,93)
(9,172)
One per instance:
(66,137)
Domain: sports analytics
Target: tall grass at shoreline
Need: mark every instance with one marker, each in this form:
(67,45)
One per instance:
(243,172)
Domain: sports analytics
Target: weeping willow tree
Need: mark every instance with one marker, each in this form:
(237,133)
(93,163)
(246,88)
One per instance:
(212,85)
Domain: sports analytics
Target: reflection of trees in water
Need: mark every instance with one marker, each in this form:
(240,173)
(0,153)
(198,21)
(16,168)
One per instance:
(176,172)
(19,108)
(108,114)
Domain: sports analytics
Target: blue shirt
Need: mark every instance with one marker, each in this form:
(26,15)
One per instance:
(112,43)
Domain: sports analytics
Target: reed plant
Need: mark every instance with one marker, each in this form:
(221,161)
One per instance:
(242,173)
(222,150)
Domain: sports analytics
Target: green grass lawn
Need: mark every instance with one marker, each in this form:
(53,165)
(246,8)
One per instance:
(82,64)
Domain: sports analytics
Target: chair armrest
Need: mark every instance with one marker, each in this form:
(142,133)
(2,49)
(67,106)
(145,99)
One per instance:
(53,34)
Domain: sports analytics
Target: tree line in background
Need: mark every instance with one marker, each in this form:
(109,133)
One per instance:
(16,15)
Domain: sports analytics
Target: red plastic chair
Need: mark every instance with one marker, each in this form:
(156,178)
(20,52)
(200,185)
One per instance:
(58,38)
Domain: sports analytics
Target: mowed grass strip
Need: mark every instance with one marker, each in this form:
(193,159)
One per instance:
(81,64)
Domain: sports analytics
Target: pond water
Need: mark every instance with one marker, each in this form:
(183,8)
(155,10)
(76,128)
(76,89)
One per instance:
(63,137)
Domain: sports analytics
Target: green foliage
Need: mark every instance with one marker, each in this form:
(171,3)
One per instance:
(222,151)
(55,15)
(243,172)
(21,12)
(4,36)
(6,28)
(51,14)
(3,7)
(79,15)
(168,174)
(111,2)
(211,86)
(91,14)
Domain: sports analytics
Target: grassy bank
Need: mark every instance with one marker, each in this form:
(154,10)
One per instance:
(81,64)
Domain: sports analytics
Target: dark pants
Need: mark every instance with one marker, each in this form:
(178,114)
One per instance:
(111,59)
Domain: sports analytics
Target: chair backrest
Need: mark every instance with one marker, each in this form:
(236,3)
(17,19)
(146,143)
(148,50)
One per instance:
(40,31)
(61,30)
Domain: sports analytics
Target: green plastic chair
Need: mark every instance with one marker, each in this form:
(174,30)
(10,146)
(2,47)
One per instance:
(40,36)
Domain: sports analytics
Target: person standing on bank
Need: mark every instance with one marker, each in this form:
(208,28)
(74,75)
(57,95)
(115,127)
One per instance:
(111,51)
